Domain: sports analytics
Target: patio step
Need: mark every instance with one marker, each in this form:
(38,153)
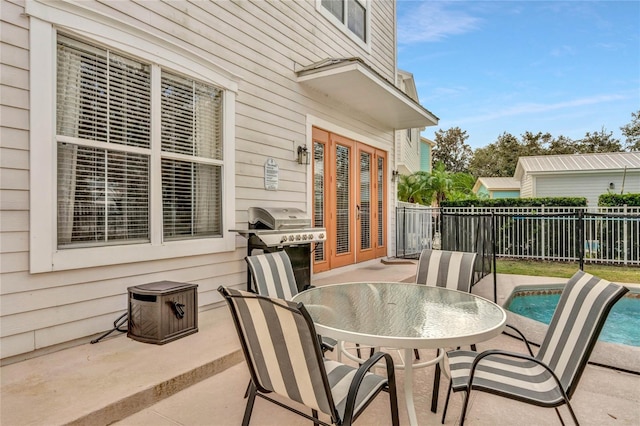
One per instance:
(105,382)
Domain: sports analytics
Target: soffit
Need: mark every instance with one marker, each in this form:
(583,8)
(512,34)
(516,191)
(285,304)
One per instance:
(357,86)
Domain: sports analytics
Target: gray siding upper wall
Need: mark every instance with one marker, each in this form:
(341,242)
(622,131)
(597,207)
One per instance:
(259,41)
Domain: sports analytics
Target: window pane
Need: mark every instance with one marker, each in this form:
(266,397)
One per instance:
(191,199)
(343,200)
(380,201)
(191,117)
(356,18)
(336,7)
(365,200)
(102,196)
(318,194)
(102,96)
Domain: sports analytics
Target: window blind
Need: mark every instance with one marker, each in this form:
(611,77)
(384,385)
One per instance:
(103,193)
(191,126)
(343,200)
(318,195)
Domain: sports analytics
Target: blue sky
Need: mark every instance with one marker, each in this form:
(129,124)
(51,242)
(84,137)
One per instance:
(563,67)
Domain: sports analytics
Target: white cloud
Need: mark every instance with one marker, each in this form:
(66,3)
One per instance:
(536,108)
(433,21)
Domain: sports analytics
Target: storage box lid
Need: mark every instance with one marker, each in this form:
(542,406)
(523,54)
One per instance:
(161,287)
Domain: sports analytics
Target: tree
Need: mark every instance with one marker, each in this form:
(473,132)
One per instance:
(599,142)
(451,149)
(483,162)
(412,189)
(561,145)
(631,131)
(439,182)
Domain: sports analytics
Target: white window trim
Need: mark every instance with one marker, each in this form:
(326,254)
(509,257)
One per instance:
(366,44)
(46,19)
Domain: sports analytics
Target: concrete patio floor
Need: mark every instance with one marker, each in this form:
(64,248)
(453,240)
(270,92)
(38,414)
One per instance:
(200,379)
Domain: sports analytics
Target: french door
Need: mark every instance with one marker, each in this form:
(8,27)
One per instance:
(349,197)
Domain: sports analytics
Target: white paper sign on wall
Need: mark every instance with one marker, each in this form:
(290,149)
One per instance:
(271,170)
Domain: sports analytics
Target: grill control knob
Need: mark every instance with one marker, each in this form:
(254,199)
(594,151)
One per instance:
(321,236)
(298,237)
(283,239)
(291,237)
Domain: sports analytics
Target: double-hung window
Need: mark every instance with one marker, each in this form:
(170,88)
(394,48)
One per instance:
(105,149)
(132,144)
(350,15)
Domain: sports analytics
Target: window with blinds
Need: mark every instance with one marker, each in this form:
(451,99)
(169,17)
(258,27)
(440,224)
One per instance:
(350,13)
(365,200)
(191,187)
(381,215)
(104,149)
(318,196)
(343,199)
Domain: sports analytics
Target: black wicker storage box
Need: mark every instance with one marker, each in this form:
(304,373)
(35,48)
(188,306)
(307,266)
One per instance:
(163,311)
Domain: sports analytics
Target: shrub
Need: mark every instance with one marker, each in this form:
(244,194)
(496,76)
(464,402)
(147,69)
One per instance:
(618,200)
(520,202)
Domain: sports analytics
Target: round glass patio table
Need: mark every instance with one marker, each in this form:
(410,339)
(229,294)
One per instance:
(402,315)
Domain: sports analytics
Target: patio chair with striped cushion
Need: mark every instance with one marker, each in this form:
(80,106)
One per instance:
(450,269)
(284,357)
(550,378)
(273,276)
(443,268)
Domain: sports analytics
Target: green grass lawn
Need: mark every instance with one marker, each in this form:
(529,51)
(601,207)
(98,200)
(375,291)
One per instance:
(622,274)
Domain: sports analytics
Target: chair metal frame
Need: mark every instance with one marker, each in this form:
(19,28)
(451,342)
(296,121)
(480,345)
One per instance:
(257,389)
(582,282)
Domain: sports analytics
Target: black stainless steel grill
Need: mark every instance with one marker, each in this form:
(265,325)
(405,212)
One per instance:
(274,229)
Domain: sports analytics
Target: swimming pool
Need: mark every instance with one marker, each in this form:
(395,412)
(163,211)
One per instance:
(622,325)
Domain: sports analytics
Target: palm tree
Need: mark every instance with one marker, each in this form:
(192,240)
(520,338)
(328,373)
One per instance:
(440,183)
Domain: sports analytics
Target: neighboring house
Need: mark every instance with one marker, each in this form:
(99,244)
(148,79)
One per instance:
(135,136)
(408,154)
(497,187)
(426,157)
(579,175)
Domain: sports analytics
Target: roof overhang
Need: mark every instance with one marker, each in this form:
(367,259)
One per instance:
(355,85)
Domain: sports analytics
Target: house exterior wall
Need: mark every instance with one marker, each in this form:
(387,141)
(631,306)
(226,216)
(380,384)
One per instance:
(426,162)
(527,186)
(259,42)
(505,194)
(589,185)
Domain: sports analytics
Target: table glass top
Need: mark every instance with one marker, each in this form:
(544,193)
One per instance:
(401,310)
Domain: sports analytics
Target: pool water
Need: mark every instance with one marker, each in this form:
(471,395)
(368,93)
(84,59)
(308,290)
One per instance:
(622,325)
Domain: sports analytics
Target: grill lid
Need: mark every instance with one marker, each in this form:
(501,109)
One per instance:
(278,218)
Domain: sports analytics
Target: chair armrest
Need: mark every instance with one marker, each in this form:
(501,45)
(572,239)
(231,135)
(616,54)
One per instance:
(524,339)
(359,376)
(510,354)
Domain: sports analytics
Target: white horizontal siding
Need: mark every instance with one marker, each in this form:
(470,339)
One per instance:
(589,185)
(261,42)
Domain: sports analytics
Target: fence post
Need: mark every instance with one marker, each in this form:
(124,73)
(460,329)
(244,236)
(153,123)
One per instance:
(493,256)
(624,234)
(580,231)
(542,233)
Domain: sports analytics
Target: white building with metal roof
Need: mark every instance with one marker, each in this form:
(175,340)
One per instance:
(579,175)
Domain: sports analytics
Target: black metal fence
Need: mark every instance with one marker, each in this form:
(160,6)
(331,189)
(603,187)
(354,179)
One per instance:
(564,234)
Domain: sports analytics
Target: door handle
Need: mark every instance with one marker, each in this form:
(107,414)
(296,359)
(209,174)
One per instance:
(357,212)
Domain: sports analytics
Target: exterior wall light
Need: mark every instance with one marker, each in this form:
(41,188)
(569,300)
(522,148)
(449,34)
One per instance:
(303,155)
(394,175)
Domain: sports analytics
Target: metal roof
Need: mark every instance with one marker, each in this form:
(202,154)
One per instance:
(578,162)
(500,182)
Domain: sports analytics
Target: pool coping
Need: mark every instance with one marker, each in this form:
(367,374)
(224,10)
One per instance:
(613,355)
